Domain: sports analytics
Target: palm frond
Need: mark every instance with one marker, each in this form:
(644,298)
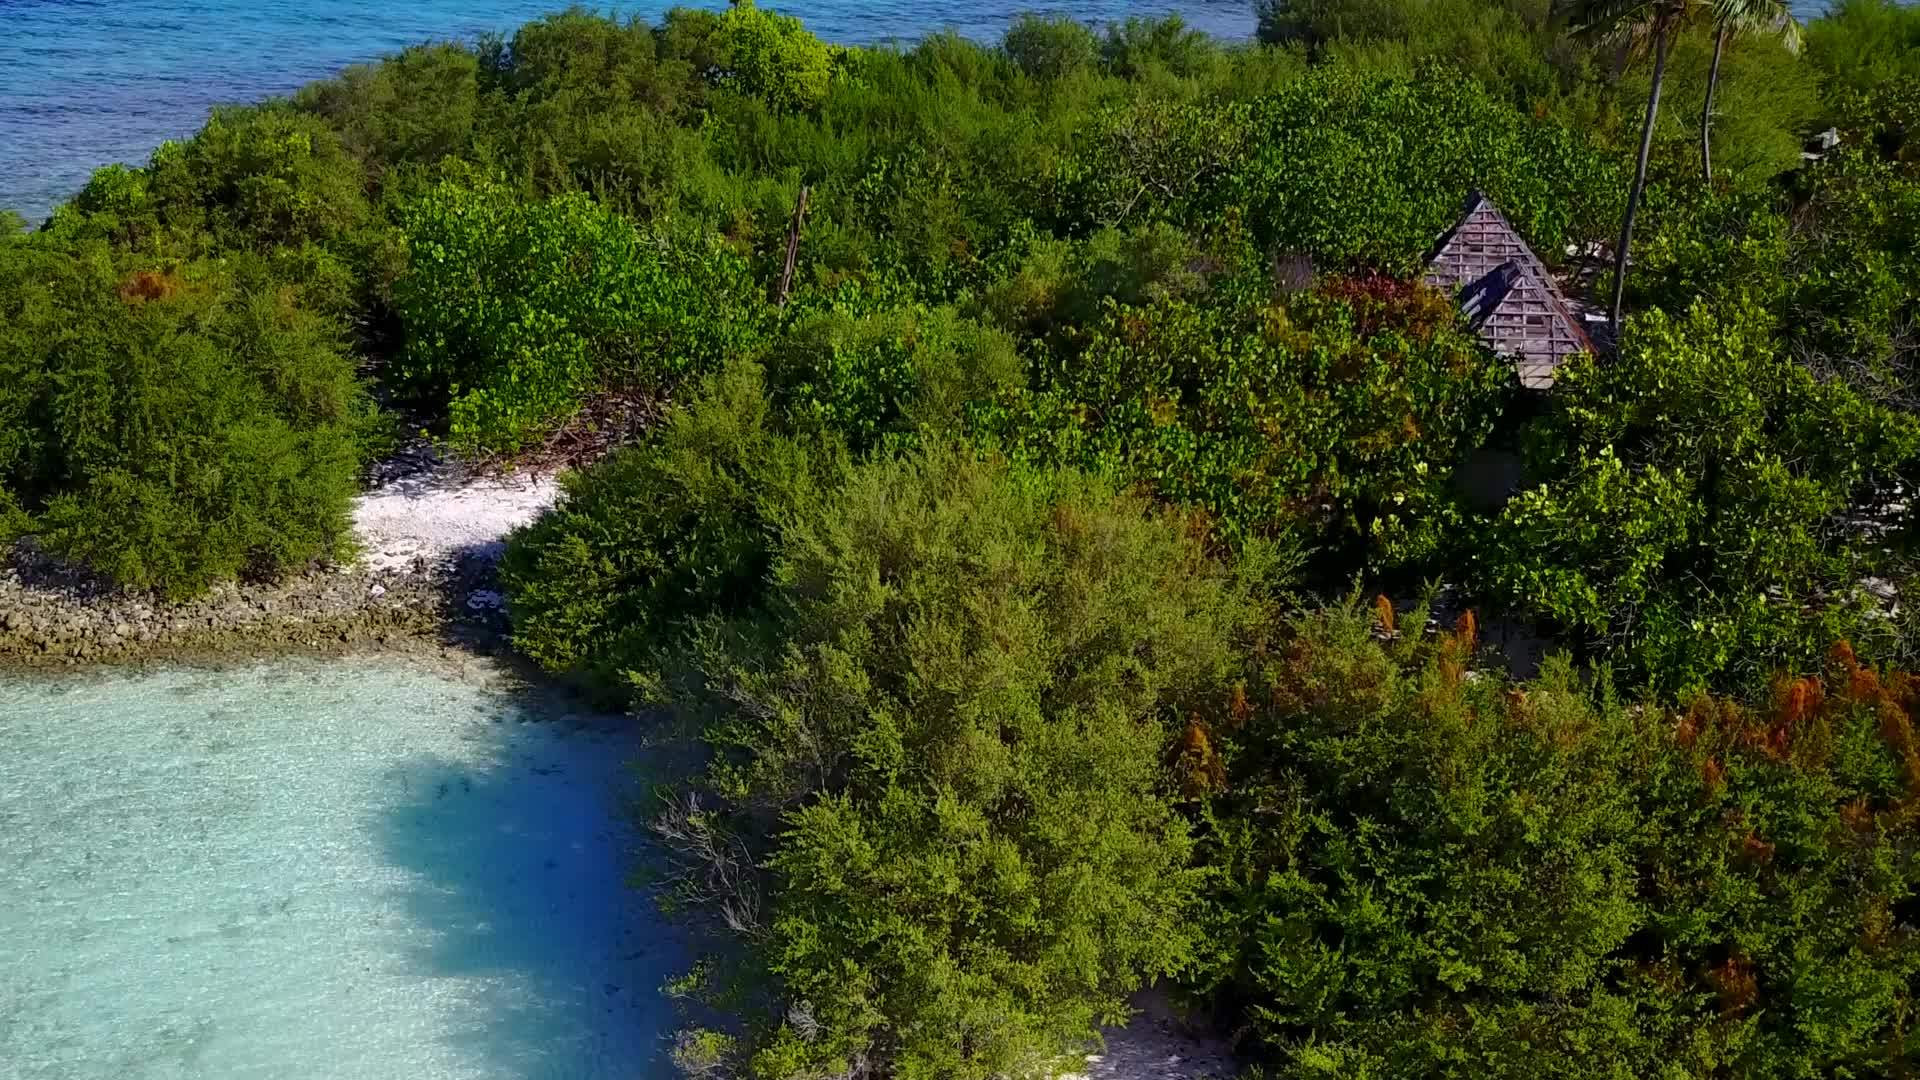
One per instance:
(1622,21)
(1763,18)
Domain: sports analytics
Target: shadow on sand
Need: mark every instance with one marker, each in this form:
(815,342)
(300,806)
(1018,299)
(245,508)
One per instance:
(515,892)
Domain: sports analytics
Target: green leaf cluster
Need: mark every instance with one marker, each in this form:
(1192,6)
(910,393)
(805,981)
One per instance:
(172,426)
(513,311)
(942,740)
(1684,518)
(1422,872)
(655,535)
(1337,415)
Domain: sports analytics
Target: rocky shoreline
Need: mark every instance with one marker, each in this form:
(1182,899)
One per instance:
(56,617)
(430,532)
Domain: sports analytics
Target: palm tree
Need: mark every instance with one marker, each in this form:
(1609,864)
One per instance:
(1739,17)
(1630,22)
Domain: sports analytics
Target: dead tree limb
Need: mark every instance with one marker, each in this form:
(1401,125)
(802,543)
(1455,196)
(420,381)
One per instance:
(793,247)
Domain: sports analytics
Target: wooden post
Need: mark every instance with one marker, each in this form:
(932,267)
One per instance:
(793,247)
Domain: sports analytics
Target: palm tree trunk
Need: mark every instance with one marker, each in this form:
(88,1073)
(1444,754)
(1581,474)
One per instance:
(1639,177)
(1706,111)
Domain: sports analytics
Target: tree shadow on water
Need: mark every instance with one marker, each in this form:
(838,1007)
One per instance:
(516,865)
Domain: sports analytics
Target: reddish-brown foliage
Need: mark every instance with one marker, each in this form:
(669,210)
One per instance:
(1840,656)
(1239,711)
(1798,710)
(1383,613)
(1380,302)
(1687,728)
(1714,722)
(1843,667)
(1735,984)
(1857,815)
(1897,728)
(1466,630)
(1796,701)
(148,285)
(1713,776)
(1196,762)
(1456,648)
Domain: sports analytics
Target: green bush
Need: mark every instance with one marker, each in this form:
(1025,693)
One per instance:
(771,58)
(1519,51)
(660,533)
(610,64)
(943,740)
(1699,242)
(1287,165)
(1515,48)
(1420,873)
(1337,416)
(1048,48)
(1416,147)
(774,58)
(409,110)
(1055,284)
(1837,261)
(254,178)
(1139,48)
(1682,525)
(1853,293)
(1860,44)
(890,373)
(514,311)
(1764,106)
(173,427)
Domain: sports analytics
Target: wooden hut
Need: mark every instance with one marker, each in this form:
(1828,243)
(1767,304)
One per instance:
(1506,293)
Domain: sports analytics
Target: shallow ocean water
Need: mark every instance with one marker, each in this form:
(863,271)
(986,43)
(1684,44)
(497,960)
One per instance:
(306,869)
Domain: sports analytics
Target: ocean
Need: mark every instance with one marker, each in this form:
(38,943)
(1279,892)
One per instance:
(357,870)
(87,82)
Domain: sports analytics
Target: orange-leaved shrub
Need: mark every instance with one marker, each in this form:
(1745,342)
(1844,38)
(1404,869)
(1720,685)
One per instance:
(1418,865)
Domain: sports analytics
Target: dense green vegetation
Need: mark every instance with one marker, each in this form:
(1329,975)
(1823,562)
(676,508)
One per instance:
(945,723)
(1425,874)
(1000,579)
(173,427)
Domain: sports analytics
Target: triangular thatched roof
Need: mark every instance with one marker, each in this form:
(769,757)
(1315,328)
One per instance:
(1506,293)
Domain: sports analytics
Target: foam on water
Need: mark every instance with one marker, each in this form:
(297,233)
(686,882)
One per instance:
(317,870)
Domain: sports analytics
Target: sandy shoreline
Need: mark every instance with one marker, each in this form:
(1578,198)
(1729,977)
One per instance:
(429,511)
(429,534)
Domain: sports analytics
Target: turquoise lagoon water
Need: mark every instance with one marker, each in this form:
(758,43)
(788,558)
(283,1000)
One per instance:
(307,870)
(88,82)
